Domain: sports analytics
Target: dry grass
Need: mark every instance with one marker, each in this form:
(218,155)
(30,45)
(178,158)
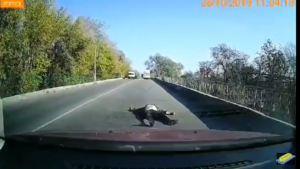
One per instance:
(274,103)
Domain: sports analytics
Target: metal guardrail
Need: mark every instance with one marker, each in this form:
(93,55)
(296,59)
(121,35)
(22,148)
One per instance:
(276,104)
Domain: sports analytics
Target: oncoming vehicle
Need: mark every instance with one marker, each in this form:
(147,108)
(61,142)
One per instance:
(131,75)
(146,74)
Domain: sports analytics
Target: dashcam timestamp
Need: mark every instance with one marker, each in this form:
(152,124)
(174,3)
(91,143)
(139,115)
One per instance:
(248,3)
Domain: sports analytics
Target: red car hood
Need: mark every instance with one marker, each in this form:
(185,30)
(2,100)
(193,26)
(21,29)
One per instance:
(149,135)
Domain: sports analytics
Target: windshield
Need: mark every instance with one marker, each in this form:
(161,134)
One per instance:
(64,68)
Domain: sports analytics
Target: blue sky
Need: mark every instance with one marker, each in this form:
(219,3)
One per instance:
(183,29)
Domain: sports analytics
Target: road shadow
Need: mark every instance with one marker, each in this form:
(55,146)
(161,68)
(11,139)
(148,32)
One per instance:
(220,115)
(140,116)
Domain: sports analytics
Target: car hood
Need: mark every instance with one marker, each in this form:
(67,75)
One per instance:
(147,135)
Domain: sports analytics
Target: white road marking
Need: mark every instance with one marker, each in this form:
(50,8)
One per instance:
(42,126)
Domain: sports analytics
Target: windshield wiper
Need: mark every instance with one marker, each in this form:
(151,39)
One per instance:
(217,146)
(154,146)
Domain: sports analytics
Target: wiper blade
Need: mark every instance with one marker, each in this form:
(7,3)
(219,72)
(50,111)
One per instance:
(238,144)
(218,146)
(155,146)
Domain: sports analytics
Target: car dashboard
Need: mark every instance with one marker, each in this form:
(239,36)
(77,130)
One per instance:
(23,155)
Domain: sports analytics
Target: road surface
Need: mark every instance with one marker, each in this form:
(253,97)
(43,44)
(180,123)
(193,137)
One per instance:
(105,105)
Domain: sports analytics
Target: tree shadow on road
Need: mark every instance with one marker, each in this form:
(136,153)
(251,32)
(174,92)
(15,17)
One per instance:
(211,111)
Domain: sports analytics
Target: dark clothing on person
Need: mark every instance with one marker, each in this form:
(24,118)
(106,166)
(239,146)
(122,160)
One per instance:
(152,113)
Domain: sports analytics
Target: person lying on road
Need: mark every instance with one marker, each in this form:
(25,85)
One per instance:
(152,113)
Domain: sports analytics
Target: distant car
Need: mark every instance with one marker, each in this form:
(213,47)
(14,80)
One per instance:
(131,75)
(146,74)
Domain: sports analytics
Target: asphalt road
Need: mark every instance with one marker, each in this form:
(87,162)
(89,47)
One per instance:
(105,105)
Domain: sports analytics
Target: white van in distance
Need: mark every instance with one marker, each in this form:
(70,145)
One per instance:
(131,75)
(146,74)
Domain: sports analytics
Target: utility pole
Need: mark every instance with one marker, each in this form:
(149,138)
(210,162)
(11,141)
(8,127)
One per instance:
(1,119)
(199,73)
(95,66)
(158,70)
